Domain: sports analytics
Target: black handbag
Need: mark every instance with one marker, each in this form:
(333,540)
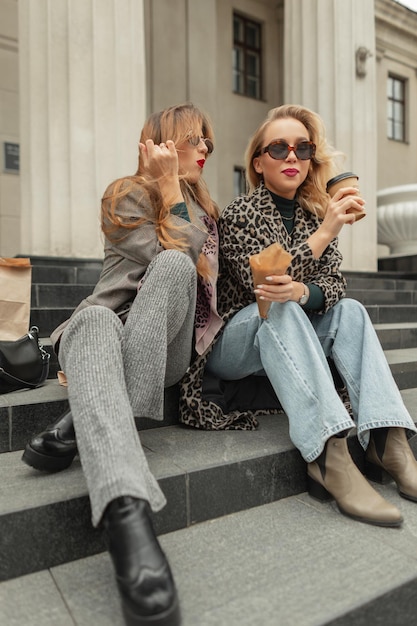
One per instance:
(24,364)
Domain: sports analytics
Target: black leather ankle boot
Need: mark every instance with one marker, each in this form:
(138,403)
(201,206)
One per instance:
(53,449)
(143,575)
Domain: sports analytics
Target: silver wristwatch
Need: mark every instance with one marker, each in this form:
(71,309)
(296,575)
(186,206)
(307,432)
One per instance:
(304,298)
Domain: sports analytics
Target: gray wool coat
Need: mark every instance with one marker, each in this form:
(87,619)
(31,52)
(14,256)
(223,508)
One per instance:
(126,260)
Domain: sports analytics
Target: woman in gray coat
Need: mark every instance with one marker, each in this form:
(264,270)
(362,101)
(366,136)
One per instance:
(152,309)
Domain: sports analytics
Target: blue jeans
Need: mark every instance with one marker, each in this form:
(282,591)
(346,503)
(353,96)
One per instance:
(290,347)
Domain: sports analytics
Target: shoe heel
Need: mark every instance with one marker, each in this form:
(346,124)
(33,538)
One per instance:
(317,491)
(376,473)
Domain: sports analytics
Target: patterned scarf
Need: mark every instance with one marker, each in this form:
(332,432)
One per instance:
(207,320)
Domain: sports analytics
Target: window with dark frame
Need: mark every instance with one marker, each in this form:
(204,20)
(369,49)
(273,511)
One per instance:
(396,108)
(247,57)
(239,181)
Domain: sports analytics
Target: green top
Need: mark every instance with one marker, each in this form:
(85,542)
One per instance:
(180,209)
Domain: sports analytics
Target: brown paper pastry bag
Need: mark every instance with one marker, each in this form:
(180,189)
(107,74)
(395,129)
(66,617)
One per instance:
(272,260)
(15,297)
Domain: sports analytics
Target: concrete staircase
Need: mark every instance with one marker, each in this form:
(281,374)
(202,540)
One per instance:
(247,544)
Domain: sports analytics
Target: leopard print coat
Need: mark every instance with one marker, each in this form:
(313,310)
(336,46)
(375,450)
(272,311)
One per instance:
(247,226)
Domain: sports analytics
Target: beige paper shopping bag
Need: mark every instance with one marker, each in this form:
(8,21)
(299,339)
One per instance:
(15,286)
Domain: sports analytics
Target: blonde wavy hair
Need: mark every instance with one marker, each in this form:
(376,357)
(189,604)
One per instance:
(323,166)
(178,123)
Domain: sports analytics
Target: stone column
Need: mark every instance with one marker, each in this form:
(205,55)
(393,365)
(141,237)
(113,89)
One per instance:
(329,64)
(202,72)
(183,61)
(82,94)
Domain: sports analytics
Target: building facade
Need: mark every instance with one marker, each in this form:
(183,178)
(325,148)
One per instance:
(78,78)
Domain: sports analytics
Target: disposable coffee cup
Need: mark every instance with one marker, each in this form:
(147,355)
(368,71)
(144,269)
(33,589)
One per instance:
(346,179)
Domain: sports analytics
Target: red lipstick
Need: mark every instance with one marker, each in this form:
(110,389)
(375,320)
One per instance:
(201,163)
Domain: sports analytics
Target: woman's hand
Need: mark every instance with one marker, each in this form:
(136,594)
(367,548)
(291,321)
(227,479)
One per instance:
(279,289)
(160,162)
(345,199)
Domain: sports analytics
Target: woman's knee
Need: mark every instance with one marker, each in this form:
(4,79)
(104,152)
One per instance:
(287,312)
(173,261)
(87,327)
(173,270)
(351,308)
(94,317)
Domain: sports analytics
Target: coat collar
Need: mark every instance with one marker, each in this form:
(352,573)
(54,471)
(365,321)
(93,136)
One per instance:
(264,200)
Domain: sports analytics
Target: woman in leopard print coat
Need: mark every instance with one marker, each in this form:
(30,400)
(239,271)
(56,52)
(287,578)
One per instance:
(309,321)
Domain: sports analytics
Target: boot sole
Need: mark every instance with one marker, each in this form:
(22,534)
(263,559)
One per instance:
(407,497)
(170,617)
(44,462)
(365,520)
(318,492)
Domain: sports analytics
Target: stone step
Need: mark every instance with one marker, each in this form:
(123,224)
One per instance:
(47,300)
(380,281)
(53,295)
(391,337)
(383,296)
(405,263)
(293,562)
(403,364)
(63,261)
(47,319)
(397,336)
(59,284)
(44,518)
(50,295)
(389,314)
(65,275)
(65,270)
(25,412)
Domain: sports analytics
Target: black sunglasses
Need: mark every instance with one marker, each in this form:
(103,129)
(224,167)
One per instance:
(280,150)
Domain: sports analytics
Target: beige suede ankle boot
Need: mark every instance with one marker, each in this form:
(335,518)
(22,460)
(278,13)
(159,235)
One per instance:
(334,474)
(389,456)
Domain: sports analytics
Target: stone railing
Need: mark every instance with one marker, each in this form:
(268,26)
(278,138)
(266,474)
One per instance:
(397,218)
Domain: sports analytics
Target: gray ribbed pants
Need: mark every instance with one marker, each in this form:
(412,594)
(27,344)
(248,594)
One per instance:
(116,372)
